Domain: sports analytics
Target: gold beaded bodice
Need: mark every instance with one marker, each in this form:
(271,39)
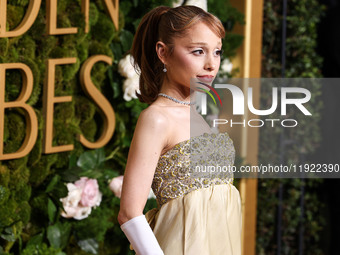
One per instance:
(193,164)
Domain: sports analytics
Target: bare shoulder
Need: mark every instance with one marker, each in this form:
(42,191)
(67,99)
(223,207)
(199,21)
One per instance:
(153,128)
(154,111)
(154,116)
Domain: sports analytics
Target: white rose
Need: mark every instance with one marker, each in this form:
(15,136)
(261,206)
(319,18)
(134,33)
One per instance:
(82,212)
(177,3)
(125,67)
(73,196)
(226,66)
(151,194)
(130,86)
(70,203)
(116,185)
(199,3)
(99,199)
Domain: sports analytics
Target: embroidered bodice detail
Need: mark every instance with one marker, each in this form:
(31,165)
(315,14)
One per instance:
(193,164)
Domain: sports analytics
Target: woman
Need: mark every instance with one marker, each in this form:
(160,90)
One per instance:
(172,47)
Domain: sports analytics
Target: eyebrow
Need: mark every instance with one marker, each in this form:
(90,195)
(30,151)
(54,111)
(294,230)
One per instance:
(202,43)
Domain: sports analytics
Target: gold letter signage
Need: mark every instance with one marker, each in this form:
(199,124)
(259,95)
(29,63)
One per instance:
(26,23)
(49,98)
(48,104)
(107,112)
(31,118)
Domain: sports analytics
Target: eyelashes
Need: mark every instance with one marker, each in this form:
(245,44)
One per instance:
(201,52)
(198,52)
(220,52)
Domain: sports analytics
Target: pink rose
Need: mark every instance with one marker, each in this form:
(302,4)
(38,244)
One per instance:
(116,185)
(82,196)
(91,196)
(81,182)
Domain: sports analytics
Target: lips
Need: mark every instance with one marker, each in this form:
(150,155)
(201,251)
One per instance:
(205,78)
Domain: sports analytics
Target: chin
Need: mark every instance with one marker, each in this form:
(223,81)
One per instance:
(199,84)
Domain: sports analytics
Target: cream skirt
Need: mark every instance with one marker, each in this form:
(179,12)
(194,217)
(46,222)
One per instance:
(206,221)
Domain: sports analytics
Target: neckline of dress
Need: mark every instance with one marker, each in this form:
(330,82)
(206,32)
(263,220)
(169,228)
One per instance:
(187,140)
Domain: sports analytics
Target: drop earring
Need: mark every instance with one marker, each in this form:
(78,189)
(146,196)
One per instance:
(164,69)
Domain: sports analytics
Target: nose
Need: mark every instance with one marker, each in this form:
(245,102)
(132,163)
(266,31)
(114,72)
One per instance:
(209,64)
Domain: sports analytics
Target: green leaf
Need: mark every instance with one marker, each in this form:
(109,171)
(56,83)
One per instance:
(108,173)
(95,174)
(89,245)
(73,161)
(91,160)
(52,183)
(8,234)
(117,50)
(60,190)
(87,160)
(72,174)
(136,23)
(58,234)
(100,153)
(115,86)
(36,240)
(54,235)
(126,38)
(51,210)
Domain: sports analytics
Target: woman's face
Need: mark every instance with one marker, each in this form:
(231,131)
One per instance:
(195,56)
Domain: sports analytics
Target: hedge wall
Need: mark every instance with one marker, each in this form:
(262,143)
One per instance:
(31,187)
(302,61)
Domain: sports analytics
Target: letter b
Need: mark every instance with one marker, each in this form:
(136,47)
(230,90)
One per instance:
(31,117)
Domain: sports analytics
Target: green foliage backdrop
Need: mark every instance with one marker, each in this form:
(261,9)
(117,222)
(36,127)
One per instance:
(302,61)
(31,187)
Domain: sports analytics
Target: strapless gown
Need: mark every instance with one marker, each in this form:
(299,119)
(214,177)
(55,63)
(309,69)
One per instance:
(198,212)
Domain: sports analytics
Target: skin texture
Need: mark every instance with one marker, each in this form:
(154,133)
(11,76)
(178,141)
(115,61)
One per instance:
(165,123)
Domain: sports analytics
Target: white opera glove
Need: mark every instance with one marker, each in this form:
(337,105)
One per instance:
(141,237)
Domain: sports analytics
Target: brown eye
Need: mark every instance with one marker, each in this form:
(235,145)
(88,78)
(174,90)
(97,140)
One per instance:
(219,52)
(198,52)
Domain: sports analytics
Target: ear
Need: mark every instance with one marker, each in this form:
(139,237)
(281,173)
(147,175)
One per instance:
(162,51)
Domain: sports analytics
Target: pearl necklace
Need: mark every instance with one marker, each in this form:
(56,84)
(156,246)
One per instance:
(176,100)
